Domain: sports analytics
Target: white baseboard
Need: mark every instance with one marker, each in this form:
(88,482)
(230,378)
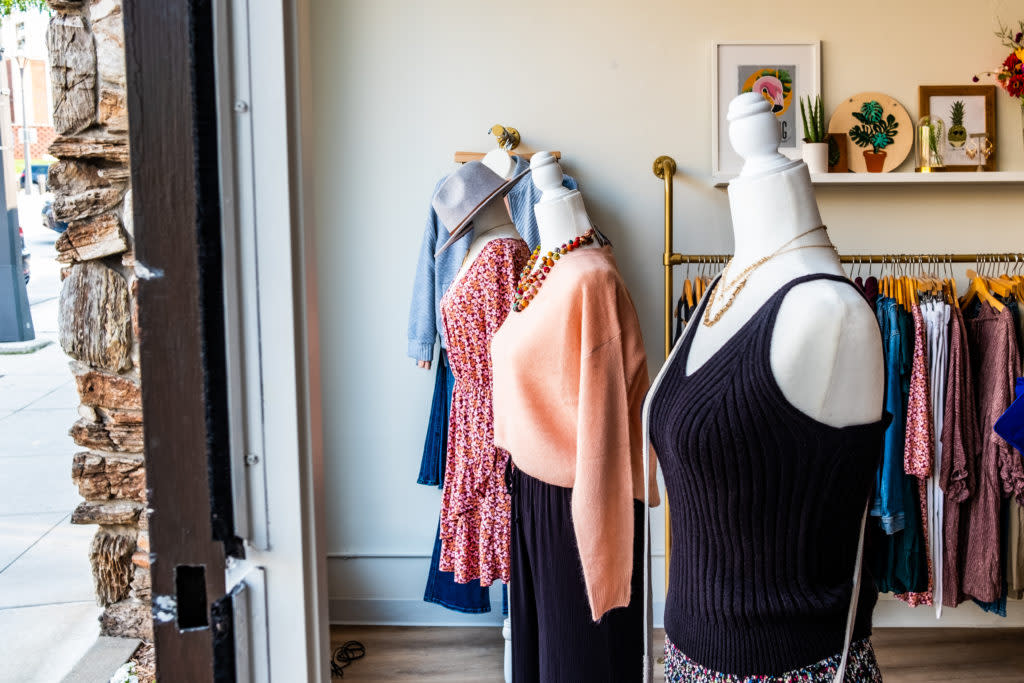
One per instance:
(889,613)
(369,612)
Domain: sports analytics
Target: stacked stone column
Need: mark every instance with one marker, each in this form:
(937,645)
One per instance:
(98,326)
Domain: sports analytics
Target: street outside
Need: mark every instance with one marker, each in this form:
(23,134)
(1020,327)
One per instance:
(48,611)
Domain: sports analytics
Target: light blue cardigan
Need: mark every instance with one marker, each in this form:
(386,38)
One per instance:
(433,276)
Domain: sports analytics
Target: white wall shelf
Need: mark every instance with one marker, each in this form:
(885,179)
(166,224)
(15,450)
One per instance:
(908,178)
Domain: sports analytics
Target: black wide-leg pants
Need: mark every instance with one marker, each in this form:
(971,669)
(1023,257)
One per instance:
(554,638)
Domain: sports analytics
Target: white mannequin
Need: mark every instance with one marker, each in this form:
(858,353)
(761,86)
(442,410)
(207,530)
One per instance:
(561,215)
(826,351)
(499,161)
(492,223)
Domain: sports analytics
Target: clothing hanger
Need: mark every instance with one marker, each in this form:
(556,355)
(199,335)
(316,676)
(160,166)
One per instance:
(999,284)
(886,280)
(979,289)
(699,284)
(954,300)
(1018,290)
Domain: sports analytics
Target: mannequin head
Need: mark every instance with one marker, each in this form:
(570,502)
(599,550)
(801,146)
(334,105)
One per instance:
(500,161)
(547,176)
(754,134)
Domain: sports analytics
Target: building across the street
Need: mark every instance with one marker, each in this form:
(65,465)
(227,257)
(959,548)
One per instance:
(24,33)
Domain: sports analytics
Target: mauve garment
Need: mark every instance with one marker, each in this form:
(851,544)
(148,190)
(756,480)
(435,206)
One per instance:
(992,339)
(960,446)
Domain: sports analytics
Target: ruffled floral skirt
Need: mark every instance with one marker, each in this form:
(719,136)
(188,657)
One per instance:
(861,667)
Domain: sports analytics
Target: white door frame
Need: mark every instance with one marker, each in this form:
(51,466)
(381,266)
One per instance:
(273,364)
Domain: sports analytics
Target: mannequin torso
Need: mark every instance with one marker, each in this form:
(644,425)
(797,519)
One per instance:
(826,352)
(492,223)
(561,214)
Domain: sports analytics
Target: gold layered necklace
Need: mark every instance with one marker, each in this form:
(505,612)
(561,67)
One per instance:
(732,289)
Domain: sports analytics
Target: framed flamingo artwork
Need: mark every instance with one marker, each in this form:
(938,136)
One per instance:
(781,72)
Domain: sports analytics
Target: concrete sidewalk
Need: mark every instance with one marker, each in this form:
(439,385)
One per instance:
(48,611)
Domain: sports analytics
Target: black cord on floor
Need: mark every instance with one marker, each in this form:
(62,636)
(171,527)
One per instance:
(345,655)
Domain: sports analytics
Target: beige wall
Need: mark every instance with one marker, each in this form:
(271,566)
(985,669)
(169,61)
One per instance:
(399,86)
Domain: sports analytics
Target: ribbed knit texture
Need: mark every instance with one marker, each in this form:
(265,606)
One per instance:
(766,504)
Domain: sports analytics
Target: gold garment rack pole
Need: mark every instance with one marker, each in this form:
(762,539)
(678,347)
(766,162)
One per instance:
(665,168)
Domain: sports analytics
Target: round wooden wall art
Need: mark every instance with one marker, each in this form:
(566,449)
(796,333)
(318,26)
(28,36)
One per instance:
(879,132)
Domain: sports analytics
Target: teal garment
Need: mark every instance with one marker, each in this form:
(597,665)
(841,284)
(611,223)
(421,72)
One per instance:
(899,556)
(899,561)
(887,502)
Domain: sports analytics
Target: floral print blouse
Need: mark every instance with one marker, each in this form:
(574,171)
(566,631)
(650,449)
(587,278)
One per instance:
(475,505)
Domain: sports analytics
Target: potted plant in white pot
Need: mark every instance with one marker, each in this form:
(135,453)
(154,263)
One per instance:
(815,149)
(875,132)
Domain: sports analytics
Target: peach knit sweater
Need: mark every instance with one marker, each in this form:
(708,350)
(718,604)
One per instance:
(570,375)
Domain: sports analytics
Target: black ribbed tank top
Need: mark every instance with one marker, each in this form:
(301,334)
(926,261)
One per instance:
(766,506)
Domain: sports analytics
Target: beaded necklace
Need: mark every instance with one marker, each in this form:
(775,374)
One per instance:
(530,282)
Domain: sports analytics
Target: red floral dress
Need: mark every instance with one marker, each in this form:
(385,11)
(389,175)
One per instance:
(475,505)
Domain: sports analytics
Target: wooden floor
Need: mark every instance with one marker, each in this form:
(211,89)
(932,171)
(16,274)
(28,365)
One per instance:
(457,655)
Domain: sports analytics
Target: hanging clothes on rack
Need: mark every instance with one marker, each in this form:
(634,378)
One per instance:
(961,442)
(690,295)
(936,313)
(996,364)
(919,448)
(898,554)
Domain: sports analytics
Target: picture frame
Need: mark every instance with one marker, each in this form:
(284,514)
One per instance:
(789,71)
(977,115)
(837,153)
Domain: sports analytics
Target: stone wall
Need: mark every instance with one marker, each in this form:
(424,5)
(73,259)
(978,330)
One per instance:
(98,325)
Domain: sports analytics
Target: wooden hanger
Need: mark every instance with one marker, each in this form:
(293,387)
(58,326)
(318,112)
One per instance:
(979,289)
(463,157)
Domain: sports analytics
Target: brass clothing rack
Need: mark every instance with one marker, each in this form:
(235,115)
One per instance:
(665,168)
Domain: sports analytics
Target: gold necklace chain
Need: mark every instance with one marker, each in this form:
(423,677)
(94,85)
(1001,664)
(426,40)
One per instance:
(734,288)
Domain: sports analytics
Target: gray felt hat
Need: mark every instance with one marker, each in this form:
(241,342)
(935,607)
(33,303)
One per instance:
(465,193)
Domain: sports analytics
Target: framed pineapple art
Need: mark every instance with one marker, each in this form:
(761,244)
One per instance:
(781,72)
(968,114)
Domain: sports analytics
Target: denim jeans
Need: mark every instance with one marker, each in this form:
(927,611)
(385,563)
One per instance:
(436,443)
